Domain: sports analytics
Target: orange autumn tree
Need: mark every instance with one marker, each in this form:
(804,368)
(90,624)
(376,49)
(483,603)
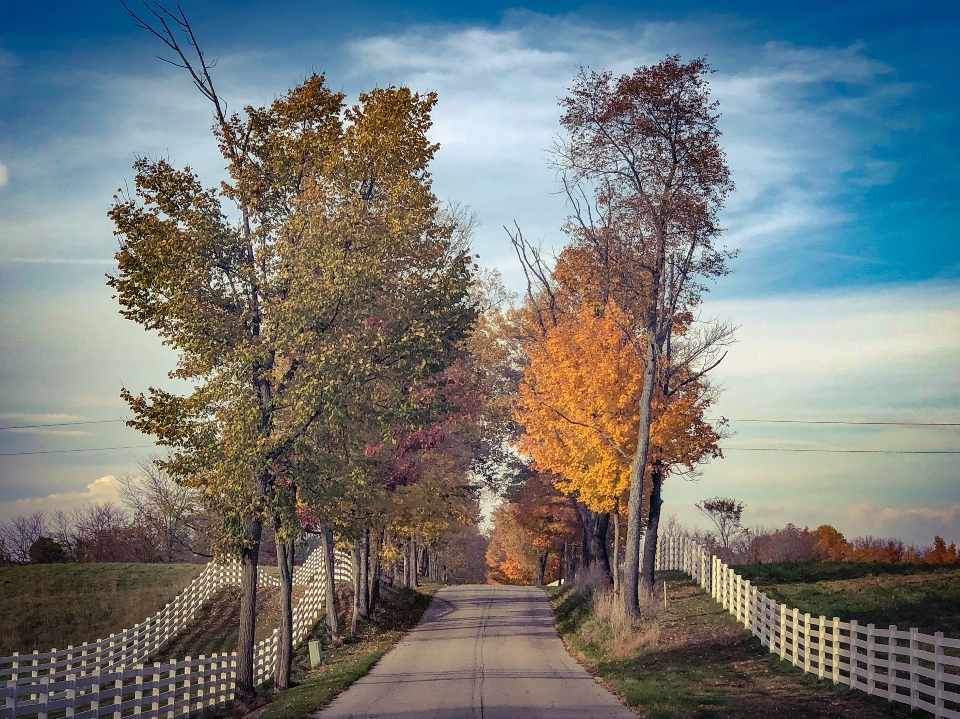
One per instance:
(578,408)
(578,421)
(530,529)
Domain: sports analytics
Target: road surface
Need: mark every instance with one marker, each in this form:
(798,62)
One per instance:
(484,652)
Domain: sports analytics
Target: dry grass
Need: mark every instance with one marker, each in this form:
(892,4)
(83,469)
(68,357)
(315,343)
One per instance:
(609,626)
(56,605)
(695,660)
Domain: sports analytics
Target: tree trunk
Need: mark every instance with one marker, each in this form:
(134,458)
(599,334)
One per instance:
(541,568)
(281,671)
(564,569)
(598,544)
(406,564)
(326,536)
(631,560)
(653,524)
(615,516)
(375,567)
(357,577)
(413,562)
(249,561)
(364,583)
(583,521)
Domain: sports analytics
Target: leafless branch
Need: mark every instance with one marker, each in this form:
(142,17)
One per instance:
(539,283)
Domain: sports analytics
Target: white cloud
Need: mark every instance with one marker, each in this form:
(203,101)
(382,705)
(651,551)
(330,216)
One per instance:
(786,129)
(4,176)
(104,489)
(861,331)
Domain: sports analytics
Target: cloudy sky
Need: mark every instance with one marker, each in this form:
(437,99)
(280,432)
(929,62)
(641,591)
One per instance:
(840,123)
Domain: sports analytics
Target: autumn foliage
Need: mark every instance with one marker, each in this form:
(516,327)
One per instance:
(825,543)
(526,546)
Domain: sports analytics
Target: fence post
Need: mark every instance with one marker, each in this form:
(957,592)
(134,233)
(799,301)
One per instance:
(44,712)
(795,635)
(186,681)
(938,671)
(12,698)
(201,691)
(854,654)
(138,692)
(892,663)
(914,681)
(118,699)
(822,647)
(155,680)
(95,693)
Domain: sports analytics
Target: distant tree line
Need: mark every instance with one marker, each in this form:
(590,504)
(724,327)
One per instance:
(736,544)
(157,521)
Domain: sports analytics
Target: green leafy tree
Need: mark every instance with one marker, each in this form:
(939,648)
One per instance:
(285,291)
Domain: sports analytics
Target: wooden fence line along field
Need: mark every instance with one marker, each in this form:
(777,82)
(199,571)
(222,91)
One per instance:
(143,640)
(909,667)
(99,679)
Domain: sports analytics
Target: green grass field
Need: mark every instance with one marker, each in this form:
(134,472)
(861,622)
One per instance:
(55,605)
(907,595)
(695,660)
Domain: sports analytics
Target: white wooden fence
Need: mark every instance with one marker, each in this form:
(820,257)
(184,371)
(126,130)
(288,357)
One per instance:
(906,666)
(106,678)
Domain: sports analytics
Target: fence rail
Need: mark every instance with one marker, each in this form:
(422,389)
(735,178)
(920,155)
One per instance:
(905,666)
(107,677)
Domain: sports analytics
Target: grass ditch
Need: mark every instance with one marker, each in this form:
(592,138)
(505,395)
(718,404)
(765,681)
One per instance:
(695,660)
(920,596)
(312,689)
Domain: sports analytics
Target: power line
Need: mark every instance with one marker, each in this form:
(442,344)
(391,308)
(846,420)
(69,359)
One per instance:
(831,421)
(61,451)
(64,424)
(844,451)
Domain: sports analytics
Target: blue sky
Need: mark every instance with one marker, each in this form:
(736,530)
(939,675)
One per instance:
(839,119)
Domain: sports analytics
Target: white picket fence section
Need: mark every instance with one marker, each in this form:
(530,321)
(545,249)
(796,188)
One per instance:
(905,666)
(107,677)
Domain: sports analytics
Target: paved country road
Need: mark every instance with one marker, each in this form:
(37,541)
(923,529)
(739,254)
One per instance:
(484,652)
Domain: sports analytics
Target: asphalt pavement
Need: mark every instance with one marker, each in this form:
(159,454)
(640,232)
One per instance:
(480,652)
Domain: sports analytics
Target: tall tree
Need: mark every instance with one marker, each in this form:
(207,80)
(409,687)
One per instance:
(277,315)
(646,177)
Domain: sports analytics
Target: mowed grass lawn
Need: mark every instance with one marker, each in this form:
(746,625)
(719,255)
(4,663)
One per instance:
(55,605)
(920,596)
(696,660)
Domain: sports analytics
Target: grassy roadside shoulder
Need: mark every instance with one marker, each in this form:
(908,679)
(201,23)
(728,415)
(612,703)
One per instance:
(313,689)
(694,660)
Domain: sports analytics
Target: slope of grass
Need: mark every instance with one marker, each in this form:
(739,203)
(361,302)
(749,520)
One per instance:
(56,605)
(924,597)
(695,660)
(313,689)
(216,627)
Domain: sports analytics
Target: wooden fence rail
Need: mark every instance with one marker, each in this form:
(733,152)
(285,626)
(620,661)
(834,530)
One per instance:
(906,666)
(107,677)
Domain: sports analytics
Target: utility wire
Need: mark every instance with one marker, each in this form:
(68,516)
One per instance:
(64,424)
(61,451)
(823,421)
(844,451)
